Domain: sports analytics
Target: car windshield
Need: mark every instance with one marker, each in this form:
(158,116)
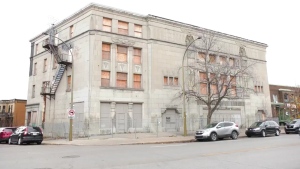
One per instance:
(257,124)
(294,122)
(210,125)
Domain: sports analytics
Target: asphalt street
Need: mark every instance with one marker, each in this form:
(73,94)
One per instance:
(247,153)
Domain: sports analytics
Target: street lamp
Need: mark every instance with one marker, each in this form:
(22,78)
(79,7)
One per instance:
(183,89)
(72,80)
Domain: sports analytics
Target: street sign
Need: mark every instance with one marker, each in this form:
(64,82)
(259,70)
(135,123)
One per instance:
(71,113)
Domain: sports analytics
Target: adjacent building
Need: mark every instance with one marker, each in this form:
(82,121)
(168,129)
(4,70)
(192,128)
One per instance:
(12,112)
(121,71)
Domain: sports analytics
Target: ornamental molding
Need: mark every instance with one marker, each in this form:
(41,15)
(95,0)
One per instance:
(124,42)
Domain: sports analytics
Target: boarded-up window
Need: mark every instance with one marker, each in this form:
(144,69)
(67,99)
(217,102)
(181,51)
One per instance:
(34,68)
(201,57)
(71,31)
(212,77)
(33,91)
(137,56)
(166,81)
(45,65)
(36,48)
(105,51)
(224,79)
(137,81)
(122,80)
(123,28)
(233,91)
(69,83)
(122,54)
(138,31)
(105,78)
(223,90)
(222,60)
(212,59)
(231,61)
(233,80)
(107,24)
(203,77)
(203,88)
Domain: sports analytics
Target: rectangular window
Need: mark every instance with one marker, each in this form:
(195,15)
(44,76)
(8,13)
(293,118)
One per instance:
(123,28)
(137,81)
(233,80)
(175,81)
(137,56)
(45,65)
(166,81)
(212,59)
(214,89)
(170,81)
(231,62)
(121,54)
(71,31)
(105,51)
(203,77)
(233,91)
(34,68)
(105,78)
(122,80)
(107,24)
(36,48)
(203,88)
(224,79)
(222,60)
(54,63)
(137,30)
(201,57)
(33,91)
(69,83)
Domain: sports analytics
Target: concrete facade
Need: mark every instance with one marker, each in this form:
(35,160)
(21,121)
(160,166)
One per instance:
(162,46)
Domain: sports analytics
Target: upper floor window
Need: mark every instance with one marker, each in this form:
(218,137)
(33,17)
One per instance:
(222,60)
(122,80)
(36,48)
(105,51)
(231,62)
(105,78)
(71,31)
(34,69)
(212,59)
(69,84)
(170,81)
(137,81)
(137,56)
(33,91)
(137,30)
(123,28)
(54,63)
(45,65)
(121,54)
(106,24)
(201,57)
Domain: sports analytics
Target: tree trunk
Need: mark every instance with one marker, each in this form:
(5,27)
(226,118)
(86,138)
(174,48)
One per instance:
(209,114)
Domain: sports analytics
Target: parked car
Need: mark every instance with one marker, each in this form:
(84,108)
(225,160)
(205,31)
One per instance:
(292,127)
(218,130)
(26,134)
(5,133)
(263,128)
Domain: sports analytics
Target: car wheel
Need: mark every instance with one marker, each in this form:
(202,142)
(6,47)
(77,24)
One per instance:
(263,133)
(234,135)
(277,133)
(248,135)
(39,143)
(20,141)
(213,137)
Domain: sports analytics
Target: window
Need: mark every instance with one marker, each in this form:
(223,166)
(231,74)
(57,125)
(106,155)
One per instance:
(105,51)
(137,81)
(138,31)
(222,60)
(170,81)
(36,48)
(137,56)
(106,24)
(214,89)
(212,59)
(122,80)
(33,91)
(201,57)
(233,80)
(231,62)
(54,63)
(203,83)
(69,83)
(34,68)
(71,31)
(233,91)
(121,54)
(105,78)
(123,28)
(45,65)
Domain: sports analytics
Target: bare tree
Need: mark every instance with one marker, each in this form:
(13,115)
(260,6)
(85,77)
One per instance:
(215,74)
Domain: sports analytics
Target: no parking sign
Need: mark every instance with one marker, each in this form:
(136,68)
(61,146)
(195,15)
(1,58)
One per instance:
(71,113)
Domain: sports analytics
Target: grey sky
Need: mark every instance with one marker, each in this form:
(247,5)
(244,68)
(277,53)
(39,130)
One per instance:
(271,22)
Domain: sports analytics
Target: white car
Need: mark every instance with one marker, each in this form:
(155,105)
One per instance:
(218,130)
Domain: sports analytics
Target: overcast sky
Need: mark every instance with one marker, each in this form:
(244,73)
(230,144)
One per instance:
(275,23)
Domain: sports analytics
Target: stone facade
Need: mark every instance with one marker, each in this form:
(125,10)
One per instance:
(152,107)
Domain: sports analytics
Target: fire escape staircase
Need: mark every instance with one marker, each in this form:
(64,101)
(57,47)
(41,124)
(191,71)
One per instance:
(63,60)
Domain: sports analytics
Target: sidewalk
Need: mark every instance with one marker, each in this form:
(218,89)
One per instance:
(128,139)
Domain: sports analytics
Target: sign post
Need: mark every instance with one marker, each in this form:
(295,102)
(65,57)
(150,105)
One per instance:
(71,115)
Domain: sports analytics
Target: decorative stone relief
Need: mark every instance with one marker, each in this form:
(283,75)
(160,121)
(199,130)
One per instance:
(137,69)
(124,42)
(105,65)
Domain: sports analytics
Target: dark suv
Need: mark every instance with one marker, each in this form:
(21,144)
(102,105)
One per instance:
(26,134)
(292,127)
(263,128)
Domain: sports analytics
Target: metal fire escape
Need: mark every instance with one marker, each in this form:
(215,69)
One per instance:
(62,55)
